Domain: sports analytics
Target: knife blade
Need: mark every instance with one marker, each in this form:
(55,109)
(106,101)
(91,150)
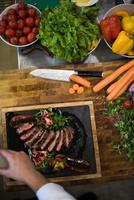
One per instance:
(63,75)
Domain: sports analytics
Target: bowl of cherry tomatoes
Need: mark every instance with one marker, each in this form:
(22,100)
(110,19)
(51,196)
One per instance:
(19,24)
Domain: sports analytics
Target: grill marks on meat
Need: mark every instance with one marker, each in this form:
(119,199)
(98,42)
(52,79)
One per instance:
(53,143)
(61,141)
(28,134)
(24,127)
(36,145)
(40,139)
(48,139)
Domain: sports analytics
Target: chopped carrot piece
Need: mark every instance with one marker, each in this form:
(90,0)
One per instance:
(75,86)
(71,90)
(80,90)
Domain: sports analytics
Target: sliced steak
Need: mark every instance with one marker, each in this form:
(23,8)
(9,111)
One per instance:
(22,118)
(37,134)
(24,127)
(71,133)
(54,142)
(28,134)
(36,145)
(61,141)
(66,137)
(51,135)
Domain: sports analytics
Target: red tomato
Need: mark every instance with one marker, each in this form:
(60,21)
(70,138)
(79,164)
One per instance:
(21,5)
(3,23)
(2,30)
(23,40)
(31,37)
(22,13)
(11,11)
(19,33)
(31,12)
(26,30)
(35,30)
(10,33)
(13,24)
(37,21)
(12,18)
(21,23)
(128,104)
(14,40)
(5,17)
(30,21)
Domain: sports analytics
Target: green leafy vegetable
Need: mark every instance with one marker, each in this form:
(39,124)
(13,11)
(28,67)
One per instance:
(69,32)
(124,124)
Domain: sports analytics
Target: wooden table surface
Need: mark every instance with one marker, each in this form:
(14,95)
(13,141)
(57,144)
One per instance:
(18,88)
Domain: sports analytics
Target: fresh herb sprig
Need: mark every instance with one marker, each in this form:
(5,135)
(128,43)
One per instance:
(124,124)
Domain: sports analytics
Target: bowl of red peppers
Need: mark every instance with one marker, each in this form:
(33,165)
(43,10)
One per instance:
(117,28)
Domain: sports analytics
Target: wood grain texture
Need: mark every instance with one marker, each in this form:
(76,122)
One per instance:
(25,90)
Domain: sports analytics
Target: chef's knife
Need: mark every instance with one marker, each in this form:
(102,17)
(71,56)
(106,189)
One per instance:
(63,75)
(66,75)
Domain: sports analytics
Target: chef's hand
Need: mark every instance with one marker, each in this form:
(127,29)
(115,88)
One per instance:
(21,169)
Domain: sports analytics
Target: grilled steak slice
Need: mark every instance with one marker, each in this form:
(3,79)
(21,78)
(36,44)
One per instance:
(21,119)
(42,136)
(28,134)
(24,127)
(61,141)
(54,142)
(66,136)
(71,133)
(30,142)
(51,135)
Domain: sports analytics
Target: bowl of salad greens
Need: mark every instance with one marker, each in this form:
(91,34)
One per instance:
(69,32)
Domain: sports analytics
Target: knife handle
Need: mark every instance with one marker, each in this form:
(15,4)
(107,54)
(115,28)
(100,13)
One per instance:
(90,73)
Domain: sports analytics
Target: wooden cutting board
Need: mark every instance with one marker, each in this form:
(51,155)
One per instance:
(19,89)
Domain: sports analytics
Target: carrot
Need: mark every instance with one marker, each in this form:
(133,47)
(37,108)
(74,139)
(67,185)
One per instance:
(76,87)
(80,90)
(113,76)
(71,90)
(123,89)
(118,82)
(80,80)
(122,84)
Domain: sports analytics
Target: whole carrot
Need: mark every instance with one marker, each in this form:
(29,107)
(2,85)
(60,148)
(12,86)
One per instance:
(123,89)
(113,76)
(80,80)
(121,85)
(118,82)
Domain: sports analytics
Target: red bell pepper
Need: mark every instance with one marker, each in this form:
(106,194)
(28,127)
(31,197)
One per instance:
(110,27)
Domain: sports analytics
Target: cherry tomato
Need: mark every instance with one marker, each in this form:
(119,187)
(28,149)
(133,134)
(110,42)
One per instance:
(128,104)
(37,21)
(12,18)
(3,23)
(13,24)
(26,30)
(14,40)
(21,23)
(19,33)
(22,13)
(23,40)
(31,37)
(11,11)
(2,30)
(30,21)
(5,17)
(10,33)
(35,30)
(31,12)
